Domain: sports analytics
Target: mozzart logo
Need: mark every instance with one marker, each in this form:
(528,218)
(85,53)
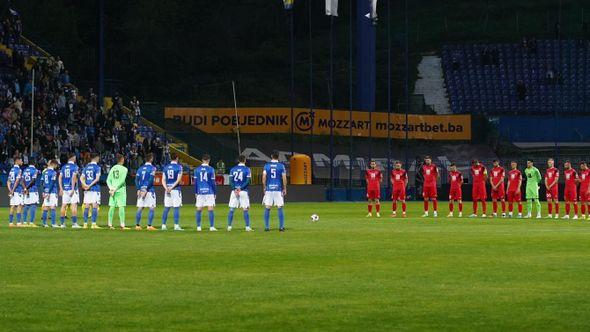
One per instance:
(304,121)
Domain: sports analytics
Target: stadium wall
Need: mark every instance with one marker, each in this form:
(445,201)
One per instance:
(543,128)
(307,193)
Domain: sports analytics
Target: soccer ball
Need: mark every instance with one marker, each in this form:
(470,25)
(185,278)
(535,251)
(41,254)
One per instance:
(315,217)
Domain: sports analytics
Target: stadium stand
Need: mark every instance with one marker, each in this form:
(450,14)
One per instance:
(533,77)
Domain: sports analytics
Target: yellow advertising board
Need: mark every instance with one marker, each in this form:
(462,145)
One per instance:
(257,120)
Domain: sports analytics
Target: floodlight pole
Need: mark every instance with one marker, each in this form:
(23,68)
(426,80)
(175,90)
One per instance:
(233,85)
(32,111)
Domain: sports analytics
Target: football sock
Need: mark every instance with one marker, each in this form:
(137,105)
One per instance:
(111,215)
(11,218)
(435,205)
(519,207)
(122,216)
(151,217)
(18,217)
(550,208)
(230,217)
(247,218)
(403,206)
(138,217)
(460,207)
(176,215)
(211,218)
(575,209)
(53,217)
(62,220)
(583,208)
(567,208)
(538,205)
(510,207)
(484,207)
(451,207)
(85,215)
(165,215)
(474,207)
(94,215)
(370,207)
(503,206)
(529,206)
(25,212)
(556,208)
(495,206)
(32,213)
(282,216)
(377,207)
(394,207)
(198,218)
(74,219)
(44,217)
(267,218)
(425,206)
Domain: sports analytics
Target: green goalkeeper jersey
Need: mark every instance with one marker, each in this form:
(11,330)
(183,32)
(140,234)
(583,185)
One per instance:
(533,178)
(116,179)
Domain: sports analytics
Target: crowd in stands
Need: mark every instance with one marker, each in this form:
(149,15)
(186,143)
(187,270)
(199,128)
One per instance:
(64,121)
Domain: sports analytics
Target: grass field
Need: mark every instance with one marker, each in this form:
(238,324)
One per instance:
(345,272)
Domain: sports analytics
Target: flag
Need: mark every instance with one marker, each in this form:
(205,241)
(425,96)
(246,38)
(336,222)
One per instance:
(288,4)
(332,7)
(372,14)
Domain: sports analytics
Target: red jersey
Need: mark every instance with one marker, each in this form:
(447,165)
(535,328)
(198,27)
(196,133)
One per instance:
(478,174)
(551,175)
(399,178)
(584,180)
(514,178)
(570,178)
(373,177)
(430,173)
(497,174)
(456,179)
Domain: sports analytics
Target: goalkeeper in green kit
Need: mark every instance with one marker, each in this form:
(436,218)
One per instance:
(117,191)
(533,178)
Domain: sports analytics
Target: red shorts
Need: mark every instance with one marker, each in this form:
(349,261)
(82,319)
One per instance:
(479,193)
(512,196)
(429,192)
(456,194)
(373,194)
(553,193)
(499,194)
(570,195)
(584,196)
(399,194)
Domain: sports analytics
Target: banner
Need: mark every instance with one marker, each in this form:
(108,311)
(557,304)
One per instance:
(332,7)
(278,120)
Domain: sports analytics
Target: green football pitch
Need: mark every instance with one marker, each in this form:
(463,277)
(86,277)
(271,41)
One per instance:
(345,272)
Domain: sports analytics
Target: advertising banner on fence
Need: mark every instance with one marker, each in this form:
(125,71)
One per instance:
(278,120)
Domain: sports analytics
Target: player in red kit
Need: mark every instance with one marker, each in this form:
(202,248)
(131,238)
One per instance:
(584,189)
(455,193)
(399,179)
(374,178)
(498,192)
(430,173)
(551,184)
(513,193)
(570,193)
(479,175)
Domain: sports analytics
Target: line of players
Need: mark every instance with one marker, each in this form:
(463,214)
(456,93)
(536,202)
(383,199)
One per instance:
(24,195)
(505,187)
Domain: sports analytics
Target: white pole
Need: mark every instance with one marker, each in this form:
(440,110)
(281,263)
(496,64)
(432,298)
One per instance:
(32,112)
(233,85)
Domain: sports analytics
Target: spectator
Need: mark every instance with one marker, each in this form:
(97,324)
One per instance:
(220,167)
(136,110)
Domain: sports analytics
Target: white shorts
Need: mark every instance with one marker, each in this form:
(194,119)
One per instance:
(70,197)
(205,201)
(273,198)
(242,202)
(17,199)
(50,200)
(92,197)
(149,201)
(31,198)
(173,199)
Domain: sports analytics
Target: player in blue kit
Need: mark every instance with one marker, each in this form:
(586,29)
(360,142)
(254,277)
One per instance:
(205,191)
(68,190)
(146,195)
(15,193)
(30,193)
(274,180)
(90,178)
(50,187)
(239,179)
(171,177)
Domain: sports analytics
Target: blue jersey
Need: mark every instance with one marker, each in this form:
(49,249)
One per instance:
(274,176)
(29,178)
(49,181)
(15,175)
(204,178)
(144,179)
(171,172)
(92,172)
(67,173)
(240,177)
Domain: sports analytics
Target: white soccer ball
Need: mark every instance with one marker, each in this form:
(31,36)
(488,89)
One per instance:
(315,217)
